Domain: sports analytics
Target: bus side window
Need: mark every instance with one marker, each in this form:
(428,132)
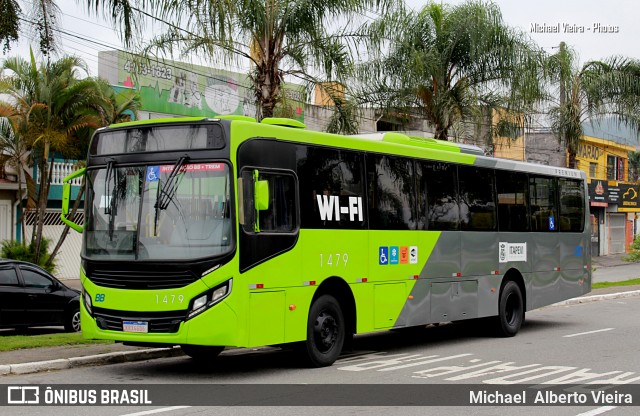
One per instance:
(281,214)
(392,193)
(477,199)
(544,207)
(512,201)
(438,196)
(571,205)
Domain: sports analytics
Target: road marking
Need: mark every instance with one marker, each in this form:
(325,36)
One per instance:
(598,411)
(153,411)
(587,333)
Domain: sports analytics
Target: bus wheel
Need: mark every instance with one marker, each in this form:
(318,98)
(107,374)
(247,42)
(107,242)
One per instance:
(325,332)
(201,352)
(510,310)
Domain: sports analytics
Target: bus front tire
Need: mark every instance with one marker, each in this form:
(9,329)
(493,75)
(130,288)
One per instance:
(510,310)
(325,332)
(201,353)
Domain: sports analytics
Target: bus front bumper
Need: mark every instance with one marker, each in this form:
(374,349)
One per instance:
(216,326)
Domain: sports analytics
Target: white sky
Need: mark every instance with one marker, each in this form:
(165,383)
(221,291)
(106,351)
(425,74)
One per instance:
(519,13)
(589,45)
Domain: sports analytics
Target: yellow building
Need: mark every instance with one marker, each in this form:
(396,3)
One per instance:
(613,199)
(509,147)
(603,159)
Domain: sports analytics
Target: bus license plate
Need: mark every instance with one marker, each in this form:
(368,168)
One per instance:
(135,326)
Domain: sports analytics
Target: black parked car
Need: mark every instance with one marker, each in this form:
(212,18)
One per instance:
(29,296)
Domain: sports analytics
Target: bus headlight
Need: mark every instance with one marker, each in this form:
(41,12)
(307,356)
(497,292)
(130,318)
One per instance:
(87,301)
(206,300)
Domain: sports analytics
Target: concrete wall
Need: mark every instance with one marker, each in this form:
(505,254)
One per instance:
(544,149)
(317,118)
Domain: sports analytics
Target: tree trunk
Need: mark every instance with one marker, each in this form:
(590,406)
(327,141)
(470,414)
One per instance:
(65,232)
(20,205)
(43,196)
(442,133)
(572,159)
(267,89)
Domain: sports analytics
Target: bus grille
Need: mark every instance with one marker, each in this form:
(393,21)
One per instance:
(142,280)
(159,322)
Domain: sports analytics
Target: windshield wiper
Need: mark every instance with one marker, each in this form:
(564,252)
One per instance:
(110,206)
(170,186)
(166,192)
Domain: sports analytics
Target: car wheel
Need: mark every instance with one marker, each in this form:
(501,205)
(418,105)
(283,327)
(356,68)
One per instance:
(72,323)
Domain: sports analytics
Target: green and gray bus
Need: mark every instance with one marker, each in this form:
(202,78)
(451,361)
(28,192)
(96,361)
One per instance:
(216,232)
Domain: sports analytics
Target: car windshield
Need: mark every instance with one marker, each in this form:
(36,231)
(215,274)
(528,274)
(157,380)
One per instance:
(150,212)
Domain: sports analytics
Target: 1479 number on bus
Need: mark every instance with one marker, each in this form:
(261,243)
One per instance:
(334,259)
(169,299)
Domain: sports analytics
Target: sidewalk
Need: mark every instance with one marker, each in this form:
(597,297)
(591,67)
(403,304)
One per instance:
(612,260)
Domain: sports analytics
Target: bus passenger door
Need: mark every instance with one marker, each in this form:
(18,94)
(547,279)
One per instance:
(269,258)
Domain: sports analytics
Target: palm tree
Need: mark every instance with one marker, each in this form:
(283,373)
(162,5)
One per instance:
(118,106)
(52,102)
(608,88)
(15,150)
(279,38)
(449,64)
(114,107)
(42,18)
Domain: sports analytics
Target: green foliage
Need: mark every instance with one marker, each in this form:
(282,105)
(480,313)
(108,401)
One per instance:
(634,253)
(634,166)
(9,24)
(597,89)
(19,342)
(55,110)
(449,64)
(280,38)
(15,250)
(42,20)
(603,285)
(344,118)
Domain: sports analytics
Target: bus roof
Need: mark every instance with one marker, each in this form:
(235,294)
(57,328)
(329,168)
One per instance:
(389,142)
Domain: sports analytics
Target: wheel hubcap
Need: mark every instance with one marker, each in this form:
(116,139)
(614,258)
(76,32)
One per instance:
(75,321)
(325,332)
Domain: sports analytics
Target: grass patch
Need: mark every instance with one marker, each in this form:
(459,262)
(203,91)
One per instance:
(602,285)
(17,342)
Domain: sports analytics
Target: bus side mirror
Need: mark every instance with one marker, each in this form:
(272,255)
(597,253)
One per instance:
(261,195)
(66,196)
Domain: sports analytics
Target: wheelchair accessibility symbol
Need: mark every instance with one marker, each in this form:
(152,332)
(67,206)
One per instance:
(384,255)
(153,173)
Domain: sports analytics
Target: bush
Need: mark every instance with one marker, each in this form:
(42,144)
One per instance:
(15,250)
(634,253)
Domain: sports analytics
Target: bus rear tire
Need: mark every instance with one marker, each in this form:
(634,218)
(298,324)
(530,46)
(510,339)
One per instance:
(202,353)
(325,332)
(510,310)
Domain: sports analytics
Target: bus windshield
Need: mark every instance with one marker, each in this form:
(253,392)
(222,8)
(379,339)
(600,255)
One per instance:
(148,212)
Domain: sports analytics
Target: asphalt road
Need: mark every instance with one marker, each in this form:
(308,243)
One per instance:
(596,340)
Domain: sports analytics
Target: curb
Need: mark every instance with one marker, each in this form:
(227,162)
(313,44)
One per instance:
(594,298)
(91,360)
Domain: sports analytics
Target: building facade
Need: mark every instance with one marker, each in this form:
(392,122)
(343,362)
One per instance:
(613,199)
